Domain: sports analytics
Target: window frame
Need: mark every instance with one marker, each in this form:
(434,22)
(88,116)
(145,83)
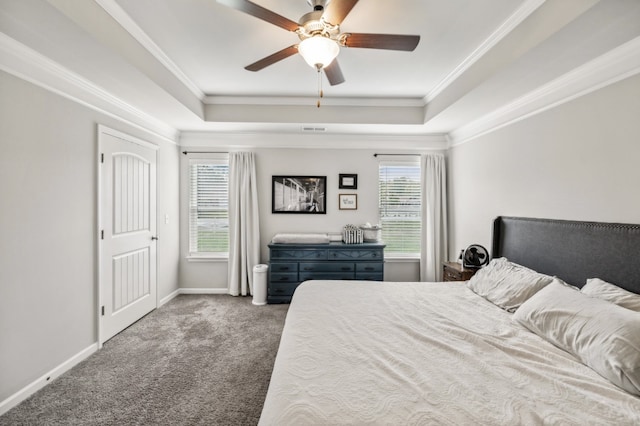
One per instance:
(408,161)
(195,255)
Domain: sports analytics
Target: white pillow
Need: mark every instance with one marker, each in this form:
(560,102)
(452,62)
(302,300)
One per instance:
(595,287)
(507,284)
(604,336)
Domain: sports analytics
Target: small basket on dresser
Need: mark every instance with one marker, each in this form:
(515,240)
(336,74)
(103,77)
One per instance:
(352,234)
(372,234)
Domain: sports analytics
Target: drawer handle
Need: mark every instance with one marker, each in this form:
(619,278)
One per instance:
(284,279)
(283,268)
(369,268)
(346,268)
(335,254)
(374,255)
(308,268)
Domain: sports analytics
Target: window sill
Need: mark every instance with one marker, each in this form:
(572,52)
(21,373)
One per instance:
(401,259)
(210,258)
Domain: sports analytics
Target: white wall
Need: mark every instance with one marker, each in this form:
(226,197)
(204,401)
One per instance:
(578,161)
(168,184)
(288,161)
(48,229)
(329,163)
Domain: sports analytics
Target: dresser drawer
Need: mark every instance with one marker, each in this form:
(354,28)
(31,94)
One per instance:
(283,267)
(283,277)
(370,276)
(305,276)
(369,267)
(327,267)
(298,254)
(278,299)
(282,288)
(368,254)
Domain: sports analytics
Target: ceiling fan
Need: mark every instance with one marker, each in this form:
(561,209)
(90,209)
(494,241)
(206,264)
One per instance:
(320,35)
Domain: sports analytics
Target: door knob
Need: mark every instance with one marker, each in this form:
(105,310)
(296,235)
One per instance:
(154,238)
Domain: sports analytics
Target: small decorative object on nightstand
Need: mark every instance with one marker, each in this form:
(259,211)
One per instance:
(453,271)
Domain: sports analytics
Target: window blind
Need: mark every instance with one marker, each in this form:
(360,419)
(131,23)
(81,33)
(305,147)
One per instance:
(209,206)
(400,207)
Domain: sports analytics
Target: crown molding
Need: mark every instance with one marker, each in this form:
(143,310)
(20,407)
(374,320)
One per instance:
(523,12)
(27,64)
(611,67)
(122,18)
(310,100)
(419,143)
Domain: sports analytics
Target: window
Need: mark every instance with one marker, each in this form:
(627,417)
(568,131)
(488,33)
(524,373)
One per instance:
(209,207)
(400,207)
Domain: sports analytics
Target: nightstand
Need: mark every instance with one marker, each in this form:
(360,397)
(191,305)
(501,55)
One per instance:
(453,271)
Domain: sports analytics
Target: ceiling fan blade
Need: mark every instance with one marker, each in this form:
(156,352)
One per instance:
(272,59)
(382,41)
(337,10)
(334,73)
(260,12)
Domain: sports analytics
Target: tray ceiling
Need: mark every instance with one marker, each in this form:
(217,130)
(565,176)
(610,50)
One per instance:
(180,64)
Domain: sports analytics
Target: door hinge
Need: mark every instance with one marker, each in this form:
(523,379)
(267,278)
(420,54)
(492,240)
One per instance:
(102,157)
(102,310)
(102,234)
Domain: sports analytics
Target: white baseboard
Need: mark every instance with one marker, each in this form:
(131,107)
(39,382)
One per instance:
(47,378)
(180,291)
(168,298)
(203,291)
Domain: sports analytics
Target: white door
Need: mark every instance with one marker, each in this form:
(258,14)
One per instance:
(127,231)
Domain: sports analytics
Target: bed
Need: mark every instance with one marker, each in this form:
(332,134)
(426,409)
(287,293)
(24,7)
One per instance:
(464,353)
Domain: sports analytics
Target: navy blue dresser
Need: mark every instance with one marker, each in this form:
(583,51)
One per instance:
(291,264)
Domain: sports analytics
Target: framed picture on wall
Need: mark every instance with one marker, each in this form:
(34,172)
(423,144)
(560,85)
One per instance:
(348,202)
(348,181)
(299,194)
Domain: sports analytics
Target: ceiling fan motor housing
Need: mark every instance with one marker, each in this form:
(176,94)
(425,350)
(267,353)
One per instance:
(318,4)
(312,24)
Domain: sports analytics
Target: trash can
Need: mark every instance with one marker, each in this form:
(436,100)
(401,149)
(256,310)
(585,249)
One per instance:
(260,284)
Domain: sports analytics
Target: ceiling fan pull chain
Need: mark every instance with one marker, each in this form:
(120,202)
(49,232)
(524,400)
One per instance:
(320,92)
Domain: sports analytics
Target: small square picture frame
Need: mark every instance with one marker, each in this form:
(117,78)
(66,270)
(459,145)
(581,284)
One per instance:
(348,201)
(348,181)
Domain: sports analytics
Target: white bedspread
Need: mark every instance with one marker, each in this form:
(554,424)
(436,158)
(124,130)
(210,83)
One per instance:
(388,353)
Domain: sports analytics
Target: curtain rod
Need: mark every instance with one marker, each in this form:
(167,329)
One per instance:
(404,155)
(203,152)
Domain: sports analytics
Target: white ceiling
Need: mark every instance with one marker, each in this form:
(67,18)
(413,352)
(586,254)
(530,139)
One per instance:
(212,44)
(179,64)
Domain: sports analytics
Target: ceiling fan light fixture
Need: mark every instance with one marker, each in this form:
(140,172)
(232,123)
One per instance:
(318,51)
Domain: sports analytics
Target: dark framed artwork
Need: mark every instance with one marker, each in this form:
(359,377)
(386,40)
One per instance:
(348,202)
(348,181)
(299,194)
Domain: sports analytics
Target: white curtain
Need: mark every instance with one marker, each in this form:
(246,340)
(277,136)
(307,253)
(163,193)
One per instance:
(434,217)
(244,225)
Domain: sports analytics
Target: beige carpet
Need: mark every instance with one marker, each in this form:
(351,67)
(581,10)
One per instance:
(198,360)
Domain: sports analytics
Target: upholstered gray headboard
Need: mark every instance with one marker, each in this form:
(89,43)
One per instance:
(571,250)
